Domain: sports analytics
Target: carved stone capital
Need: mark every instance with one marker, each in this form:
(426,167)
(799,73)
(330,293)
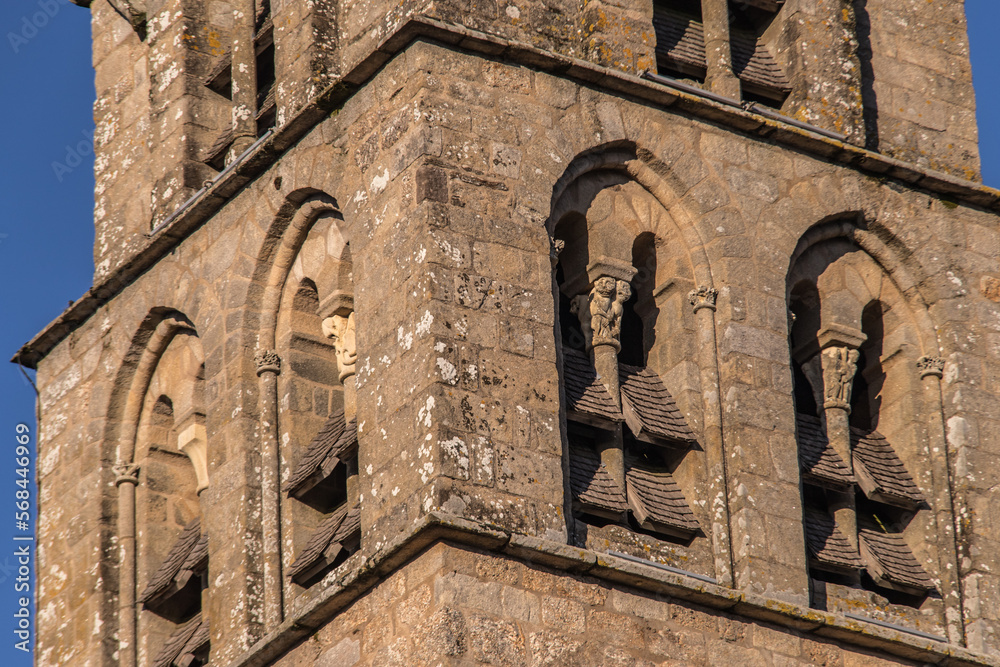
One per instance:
(840,363)
(600,312)
(703,297)
(930,366)
(340,329)
(267,361)
(840,335)
(126,473)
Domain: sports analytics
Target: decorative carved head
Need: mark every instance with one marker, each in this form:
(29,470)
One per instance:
(340,329)
(605,286)
(624,291)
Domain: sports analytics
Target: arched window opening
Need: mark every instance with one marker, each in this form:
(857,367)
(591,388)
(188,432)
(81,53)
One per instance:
(638,323)
(680,28)
(172,458)
(868,381)
(625,433)
(322,511)
(858,496)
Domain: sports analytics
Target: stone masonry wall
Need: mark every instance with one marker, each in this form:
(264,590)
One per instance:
(922,84)
(444,166)
(916,83)
(453,606)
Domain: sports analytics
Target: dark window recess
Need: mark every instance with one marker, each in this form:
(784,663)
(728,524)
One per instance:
(656,502)
(215,155)
(263,14)
(187,647)
(650,501)
(890,563)
(819,463)
(829,549)
(220,80)
(650,410)
(680,48)
(595,492)
(881,474)
(680,40)
(588,400)
(769,6)
(174,590)
(884,493)
(336,538)
(320,480)
(266,78)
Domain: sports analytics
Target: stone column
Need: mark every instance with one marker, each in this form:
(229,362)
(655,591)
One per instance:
(703,302)
(719,76)
(839,358)
(126,479)
(946,527)
(244,78)
(268,365)
(339,327)
(600,314)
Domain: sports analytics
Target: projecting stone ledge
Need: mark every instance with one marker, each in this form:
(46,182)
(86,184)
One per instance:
(655,585)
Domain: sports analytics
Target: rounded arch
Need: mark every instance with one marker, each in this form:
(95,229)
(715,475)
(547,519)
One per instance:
(283,242)
(135,373)
(628,161)
(130,399)
(895,261)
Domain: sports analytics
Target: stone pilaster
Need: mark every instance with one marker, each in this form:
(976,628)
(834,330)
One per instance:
(931,371)
(703,303)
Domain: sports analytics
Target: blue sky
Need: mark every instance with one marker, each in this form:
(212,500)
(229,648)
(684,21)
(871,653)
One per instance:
(46,186)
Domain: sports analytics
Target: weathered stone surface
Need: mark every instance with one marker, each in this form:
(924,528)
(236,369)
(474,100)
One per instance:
(455,190)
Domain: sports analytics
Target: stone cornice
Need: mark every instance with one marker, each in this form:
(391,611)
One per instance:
(283,138)
(359,574)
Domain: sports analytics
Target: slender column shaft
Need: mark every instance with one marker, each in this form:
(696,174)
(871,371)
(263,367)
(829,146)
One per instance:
(612,449)
(703,300)
(126,481)
(606,365)
(944,515)
(842,505)
(268,368)
(351,411)
(839,364)
(719,77)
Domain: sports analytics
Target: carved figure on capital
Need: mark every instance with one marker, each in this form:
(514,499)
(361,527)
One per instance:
(339,328)
(600,311)
(623,292)
(839,367)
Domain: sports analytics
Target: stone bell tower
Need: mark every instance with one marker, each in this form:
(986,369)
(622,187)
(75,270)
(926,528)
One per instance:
(527,332)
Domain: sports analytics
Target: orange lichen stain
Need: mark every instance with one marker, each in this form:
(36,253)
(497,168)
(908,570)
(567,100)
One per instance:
(214,42)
